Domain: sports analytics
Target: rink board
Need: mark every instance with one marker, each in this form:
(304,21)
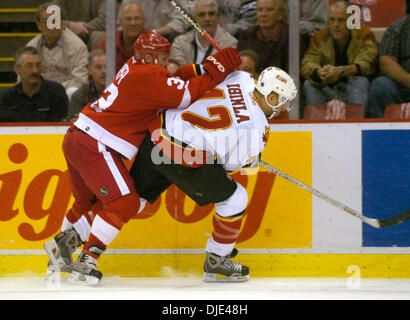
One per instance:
(287,232)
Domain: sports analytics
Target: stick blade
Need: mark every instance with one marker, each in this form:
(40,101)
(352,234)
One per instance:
(392,221)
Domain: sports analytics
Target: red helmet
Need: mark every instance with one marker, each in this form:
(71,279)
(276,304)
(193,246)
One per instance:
(152,44)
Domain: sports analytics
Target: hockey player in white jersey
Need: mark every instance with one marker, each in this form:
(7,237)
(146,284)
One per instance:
(194,148)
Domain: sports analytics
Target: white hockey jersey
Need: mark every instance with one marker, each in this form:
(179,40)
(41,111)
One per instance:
(226,122)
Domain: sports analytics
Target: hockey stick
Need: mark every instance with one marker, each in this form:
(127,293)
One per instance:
(376,223)
(198,28)
(373,222)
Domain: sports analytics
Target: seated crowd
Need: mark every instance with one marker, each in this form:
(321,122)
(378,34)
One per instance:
(63,68)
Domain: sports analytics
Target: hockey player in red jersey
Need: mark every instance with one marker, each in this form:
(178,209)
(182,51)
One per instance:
(113,128)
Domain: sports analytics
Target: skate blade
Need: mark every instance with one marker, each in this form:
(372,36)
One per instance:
(52,273)
(83,280)
(52,269)
(53,252)
(212,277)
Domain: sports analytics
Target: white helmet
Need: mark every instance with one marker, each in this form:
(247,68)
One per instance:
(277,80)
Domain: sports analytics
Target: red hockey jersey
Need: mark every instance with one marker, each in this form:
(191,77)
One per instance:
(119,119)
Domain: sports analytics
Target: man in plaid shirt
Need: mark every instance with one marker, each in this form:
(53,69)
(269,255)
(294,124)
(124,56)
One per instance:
(393,87)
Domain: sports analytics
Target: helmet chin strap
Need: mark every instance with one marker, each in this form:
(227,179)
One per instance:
(152,59)
(273,108)
(273,114)
(275,111)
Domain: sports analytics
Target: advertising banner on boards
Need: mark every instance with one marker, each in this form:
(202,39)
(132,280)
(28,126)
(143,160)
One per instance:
(287,231)
(35,194)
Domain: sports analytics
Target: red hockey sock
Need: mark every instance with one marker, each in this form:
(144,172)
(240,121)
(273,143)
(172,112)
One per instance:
(94,246)
(226,230)
(77,210)
(73,216)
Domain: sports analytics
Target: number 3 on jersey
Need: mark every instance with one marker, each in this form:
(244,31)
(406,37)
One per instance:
(111,93)
(107,98)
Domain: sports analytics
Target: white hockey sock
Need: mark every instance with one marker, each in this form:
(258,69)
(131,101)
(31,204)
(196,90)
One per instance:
(83,228)
(66,225)
(104,231)
(221,249)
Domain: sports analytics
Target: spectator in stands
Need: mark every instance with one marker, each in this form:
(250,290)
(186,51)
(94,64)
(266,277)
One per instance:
(86,18)
(338,61)
(192,47)
(33,99)
(163,18)
(132,23)
(313,17)
(92,90)
(270,37)
(236,15)
(250,62)
(393,87)
(63,54)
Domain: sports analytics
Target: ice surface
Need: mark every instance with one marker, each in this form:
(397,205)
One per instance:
(192,288)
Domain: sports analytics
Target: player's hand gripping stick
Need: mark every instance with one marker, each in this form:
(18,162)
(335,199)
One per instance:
(221,63)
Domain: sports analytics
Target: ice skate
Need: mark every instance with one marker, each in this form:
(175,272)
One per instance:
(84,271)
(221,269)
(60,250)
